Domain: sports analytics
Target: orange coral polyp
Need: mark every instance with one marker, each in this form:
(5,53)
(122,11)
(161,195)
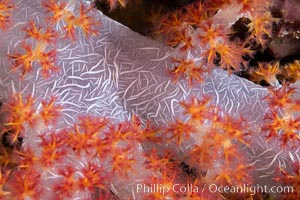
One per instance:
(122,162)
(199,110)
(225,145)
(47,36)
(285,128)
(261,26)
(57,10)
(233,175)
(27,158)
(282,122)
(211,34)
(3,179)
(189,70)
(20,113)
(68,184)
(280,97)
(154,162)
(50,112)
(52,146)
(196,14)
(115,3)
(292,71)
(87,23)
(25,60)
(60,13)
(91,177)
(26,185)
(80,142)
(180,131)
(92,126)
(291,179)
(6,6)
(231,56)
(235,128)
(268,72)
